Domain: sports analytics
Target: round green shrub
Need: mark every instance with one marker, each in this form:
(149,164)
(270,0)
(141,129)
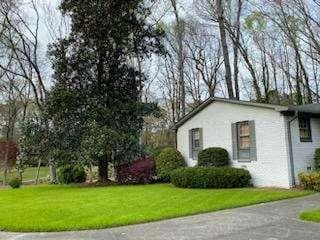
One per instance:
(168,160)
(15,183)
(213,157)
(317,159)
(210,177)
(79,174)
(71,174)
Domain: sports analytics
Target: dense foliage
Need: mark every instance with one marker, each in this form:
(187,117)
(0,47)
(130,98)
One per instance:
(213,157)
(317,159)
(35,141)
(310,181)
(141,170)
(168,160)
(210,177)
(71,174)
(94,107)
(15,183)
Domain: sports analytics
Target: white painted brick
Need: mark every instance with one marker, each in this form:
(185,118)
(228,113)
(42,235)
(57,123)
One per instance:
(303,152)
(271,168)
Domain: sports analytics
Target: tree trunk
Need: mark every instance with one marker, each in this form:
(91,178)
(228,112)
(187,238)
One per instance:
(179,29)
(299,98)
(38,171)
(53,173)
(103,165)
(275,81)
(5,168)
(224,45)
(236,51)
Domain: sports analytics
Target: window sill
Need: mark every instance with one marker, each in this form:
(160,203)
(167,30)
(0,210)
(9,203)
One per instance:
(244,160)
(305,140)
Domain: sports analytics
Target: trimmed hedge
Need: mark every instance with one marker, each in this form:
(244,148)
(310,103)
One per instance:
(213,157)
(140,171)
(317,159)
(168,160)
(211,177)
(71,174)
(310,181)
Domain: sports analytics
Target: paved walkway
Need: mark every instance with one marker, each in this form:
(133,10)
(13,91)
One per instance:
(270,221)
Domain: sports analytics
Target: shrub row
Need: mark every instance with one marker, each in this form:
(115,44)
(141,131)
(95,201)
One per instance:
(310,181)
(210,177)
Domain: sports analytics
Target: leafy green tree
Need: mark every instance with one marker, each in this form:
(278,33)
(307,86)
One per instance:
(37,146)
(94,106)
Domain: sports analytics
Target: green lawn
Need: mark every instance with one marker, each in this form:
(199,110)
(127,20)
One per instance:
(59,208)
(313,216)
(29,173)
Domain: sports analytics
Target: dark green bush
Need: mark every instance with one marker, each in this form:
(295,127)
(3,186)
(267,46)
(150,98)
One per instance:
(15,183)
(213,157)
(168,160)
(317,159)
(210,177)
(79,174)
(71,174)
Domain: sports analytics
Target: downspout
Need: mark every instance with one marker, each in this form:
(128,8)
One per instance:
(175,137)
(292,171)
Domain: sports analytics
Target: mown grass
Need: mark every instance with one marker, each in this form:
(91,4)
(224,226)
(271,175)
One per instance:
(60,208)
(28,174)
(313,216)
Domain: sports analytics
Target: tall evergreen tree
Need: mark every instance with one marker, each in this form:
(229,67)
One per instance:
(94,107)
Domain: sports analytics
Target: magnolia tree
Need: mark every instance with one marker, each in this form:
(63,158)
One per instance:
(95,107)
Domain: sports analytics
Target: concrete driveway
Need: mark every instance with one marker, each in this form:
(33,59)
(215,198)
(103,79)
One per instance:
(270,221)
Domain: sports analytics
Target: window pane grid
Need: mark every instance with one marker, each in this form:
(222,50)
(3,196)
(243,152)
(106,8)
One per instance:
(243,138)
(195,137)
(305,129)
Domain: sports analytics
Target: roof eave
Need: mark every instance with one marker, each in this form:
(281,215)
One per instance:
(211,99)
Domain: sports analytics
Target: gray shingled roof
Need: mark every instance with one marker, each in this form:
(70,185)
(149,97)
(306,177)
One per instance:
(308,108)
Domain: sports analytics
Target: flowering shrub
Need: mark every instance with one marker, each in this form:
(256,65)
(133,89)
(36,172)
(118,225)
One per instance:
(140,171)
(310,181)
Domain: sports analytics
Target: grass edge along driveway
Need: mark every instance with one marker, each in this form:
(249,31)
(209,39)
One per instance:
(313,215)
(62,208)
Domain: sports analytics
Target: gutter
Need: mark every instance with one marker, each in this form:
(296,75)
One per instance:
(292,171)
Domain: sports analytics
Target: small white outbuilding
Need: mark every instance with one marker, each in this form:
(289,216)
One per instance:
(275,143)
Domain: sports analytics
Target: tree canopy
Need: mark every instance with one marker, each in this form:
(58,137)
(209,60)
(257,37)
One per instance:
(94,107)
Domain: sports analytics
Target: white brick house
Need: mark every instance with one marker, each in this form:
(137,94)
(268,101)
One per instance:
(274,143)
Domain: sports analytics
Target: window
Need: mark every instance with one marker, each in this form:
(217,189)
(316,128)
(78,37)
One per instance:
(305,129)
(244,146)
(243,129)
(195,143)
